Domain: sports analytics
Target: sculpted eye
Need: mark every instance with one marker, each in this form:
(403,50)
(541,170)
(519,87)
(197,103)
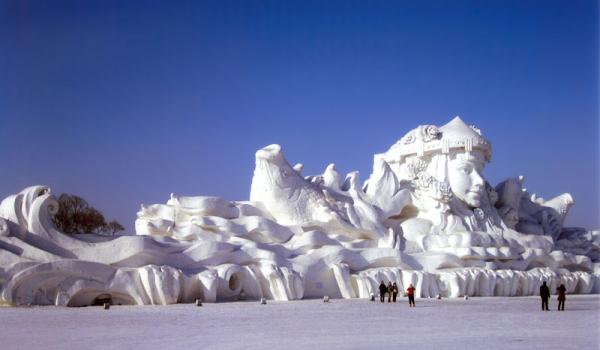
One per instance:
(465,169)
(284,172)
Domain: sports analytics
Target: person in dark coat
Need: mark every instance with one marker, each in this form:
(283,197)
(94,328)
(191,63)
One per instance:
(411,295)
(390,290)
(545,295)
(382,291)
(561,291)
(394,292)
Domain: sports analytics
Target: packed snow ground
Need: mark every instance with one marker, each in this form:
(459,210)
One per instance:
(477,323)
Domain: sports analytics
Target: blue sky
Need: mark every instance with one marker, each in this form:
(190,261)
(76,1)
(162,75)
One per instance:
(124,102)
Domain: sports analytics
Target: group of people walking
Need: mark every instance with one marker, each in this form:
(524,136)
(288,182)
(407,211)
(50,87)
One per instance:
(391,290)
(545,295)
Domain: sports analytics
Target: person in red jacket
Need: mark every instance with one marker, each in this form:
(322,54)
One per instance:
(411,295)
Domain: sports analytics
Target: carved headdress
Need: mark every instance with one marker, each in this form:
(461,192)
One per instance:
(428,139)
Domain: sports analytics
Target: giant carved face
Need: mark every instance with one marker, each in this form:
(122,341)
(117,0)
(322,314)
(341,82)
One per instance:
(464,176)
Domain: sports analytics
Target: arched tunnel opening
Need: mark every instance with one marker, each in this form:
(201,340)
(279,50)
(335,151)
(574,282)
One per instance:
(102,299)
(230,286)
(235,281)
(98,298)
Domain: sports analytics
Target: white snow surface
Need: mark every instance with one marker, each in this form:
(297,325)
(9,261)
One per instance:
(477,323)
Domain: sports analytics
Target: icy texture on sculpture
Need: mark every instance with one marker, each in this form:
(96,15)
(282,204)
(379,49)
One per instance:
(426,216)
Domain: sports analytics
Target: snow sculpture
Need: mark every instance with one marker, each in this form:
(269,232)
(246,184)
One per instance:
(453,207)
(292,200)
(425,216)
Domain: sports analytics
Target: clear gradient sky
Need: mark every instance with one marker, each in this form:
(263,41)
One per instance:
(124,102)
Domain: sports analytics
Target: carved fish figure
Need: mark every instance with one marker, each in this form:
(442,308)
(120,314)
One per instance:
(292,200)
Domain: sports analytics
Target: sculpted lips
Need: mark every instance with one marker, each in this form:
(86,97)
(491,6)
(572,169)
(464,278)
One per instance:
(476,191)
(474,197)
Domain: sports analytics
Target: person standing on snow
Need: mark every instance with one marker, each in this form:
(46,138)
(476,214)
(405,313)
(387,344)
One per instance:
(390,290)
(545,295)
(561,291)
(411,295)
(382,291)
(394,292)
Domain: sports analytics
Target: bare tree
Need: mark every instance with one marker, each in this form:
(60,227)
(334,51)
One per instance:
(75,215)
(114,227)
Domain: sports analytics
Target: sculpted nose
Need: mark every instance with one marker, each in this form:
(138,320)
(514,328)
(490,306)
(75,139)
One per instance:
(477,180)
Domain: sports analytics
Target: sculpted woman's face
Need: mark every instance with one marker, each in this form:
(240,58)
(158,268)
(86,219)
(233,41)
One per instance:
(464,176)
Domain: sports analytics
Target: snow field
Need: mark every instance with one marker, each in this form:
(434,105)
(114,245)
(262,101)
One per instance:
(476,323)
